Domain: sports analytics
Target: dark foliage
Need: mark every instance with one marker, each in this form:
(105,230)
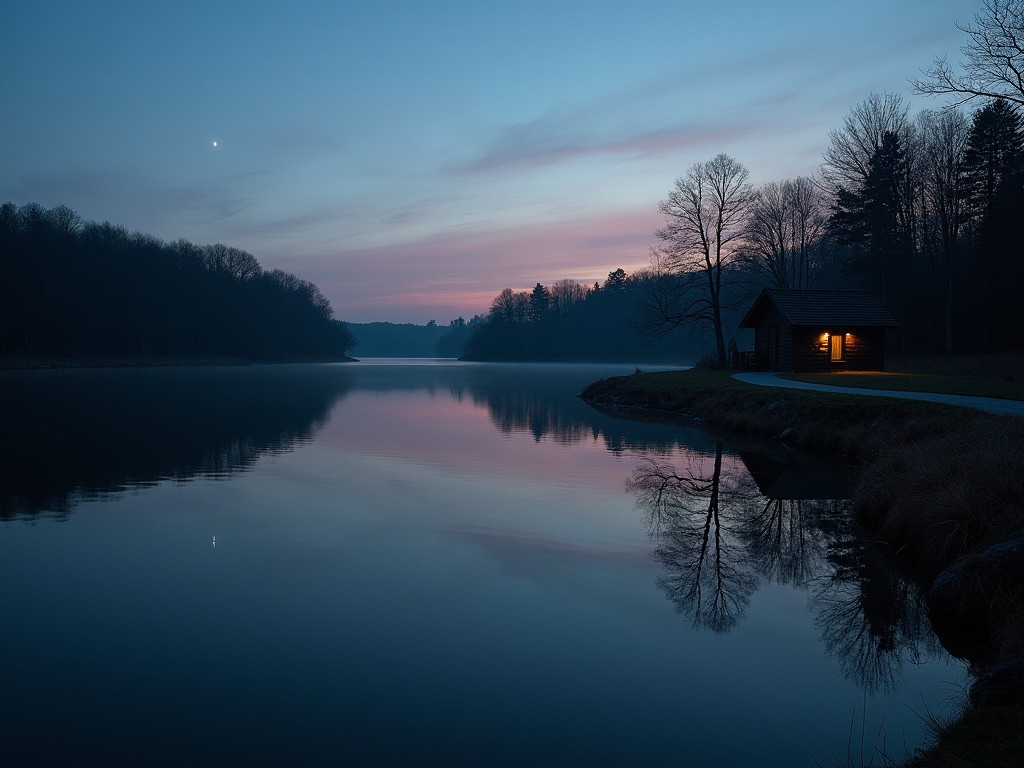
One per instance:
(570,322)
(94,289)
(948,261)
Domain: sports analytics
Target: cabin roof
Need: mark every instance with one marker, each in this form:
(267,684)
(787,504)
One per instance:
(821,308)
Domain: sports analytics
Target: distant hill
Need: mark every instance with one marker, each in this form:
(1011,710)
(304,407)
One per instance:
(395,339)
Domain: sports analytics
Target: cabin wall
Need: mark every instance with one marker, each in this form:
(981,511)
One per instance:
(773,343)
(863,349)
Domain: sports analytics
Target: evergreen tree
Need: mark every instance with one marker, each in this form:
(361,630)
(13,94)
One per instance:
(995,172)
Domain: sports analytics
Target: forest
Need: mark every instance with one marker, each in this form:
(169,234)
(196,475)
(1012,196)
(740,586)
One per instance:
(925,211)
(571,321)
(87,289)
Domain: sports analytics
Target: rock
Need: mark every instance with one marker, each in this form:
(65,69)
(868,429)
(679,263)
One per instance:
(773,407)
(1000,684)
(967,597)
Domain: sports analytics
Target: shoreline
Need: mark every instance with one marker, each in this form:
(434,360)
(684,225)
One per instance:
(963,530)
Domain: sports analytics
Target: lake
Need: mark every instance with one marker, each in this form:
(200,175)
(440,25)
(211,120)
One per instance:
(432,563)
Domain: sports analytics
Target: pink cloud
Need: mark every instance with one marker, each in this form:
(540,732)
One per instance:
(459,272)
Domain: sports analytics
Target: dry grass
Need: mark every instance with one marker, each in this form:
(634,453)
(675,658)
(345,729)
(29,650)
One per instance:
(918,382)
(857,428)
(1008,366)
(947,495)
(989,738)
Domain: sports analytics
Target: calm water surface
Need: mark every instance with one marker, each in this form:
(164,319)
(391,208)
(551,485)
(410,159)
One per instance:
(430,563)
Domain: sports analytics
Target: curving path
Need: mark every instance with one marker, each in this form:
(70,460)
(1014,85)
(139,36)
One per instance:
(988,404)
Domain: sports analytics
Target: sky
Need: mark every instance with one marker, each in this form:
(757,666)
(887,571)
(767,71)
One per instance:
(415,158)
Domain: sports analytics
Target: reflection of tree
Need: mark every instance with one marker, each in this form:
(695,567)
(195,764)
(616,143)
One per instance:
(783,541)
(708,575)
(72,436)
(869,616)
(717,536)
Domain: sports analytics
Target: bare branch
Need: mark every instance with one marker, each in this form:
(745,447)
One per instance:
(993,65)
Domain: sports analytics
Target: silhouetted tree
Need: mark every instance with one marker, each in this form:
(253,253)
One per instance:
(566,294)
(705,221)
(993,65)
(876,220)
(540,303)
(995,176)
(616,281)
(603,323)
(847,158)
(944,140)
(786,232)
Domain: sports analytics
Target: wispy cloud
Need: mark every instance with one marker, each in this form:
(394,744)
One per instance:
(558,139)
(460,271)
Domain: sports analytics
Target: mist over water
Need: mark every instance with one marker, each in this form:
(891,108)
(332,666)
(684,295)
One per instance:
(429,564)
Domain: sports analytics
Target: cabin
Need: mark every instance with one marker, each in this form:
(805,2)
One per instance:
(807,330)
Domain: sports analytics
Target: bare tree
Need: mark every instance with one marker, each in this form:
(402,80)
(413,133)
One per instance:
(64,219)
(510,307)
(705,218)
(565,294)
(993,65)
(233,262)
(944,138)
(848,157)
(786,225)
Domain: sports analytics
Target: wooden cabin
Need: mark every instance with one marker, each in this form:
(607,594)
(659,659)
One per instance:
(806,330)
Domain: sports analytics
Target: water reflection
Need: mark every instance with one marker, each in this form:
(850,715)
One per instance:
(74,435)
(688,513)
(723,523)
(69,436)
(419,568)
(720,536)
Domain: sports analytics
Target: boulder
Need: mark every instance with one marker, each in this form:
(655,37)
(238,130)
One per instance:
(1000,684)
(966,599)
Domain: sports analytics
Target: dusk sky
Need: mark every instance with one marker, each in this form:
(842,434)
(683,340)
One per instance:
(415,158)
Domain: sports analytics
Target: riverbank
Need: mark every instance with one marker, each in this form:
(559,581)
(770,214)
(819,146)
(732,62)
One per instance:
(941,486)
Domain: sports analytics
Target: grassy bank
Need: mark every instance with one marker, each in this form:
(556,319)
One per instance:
(938,484)
(919,382)
(857,428)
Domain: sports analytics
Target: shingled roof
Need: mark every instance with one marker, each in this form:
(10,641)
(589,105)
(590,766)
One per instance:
(823,308)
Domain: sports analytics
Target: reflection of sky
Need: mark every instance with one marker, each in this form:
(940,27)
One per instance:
(412,158)
(411,581)
(437,465)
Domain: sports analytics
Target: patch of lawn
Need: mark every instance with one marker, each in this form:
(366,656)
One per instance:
(917,382)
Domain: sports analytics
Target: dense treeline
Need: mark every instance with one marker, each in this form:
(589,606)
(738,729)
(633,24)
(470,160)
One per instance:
(570,321)
(381,339)
(69,287)
(934,225)
(926,211)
